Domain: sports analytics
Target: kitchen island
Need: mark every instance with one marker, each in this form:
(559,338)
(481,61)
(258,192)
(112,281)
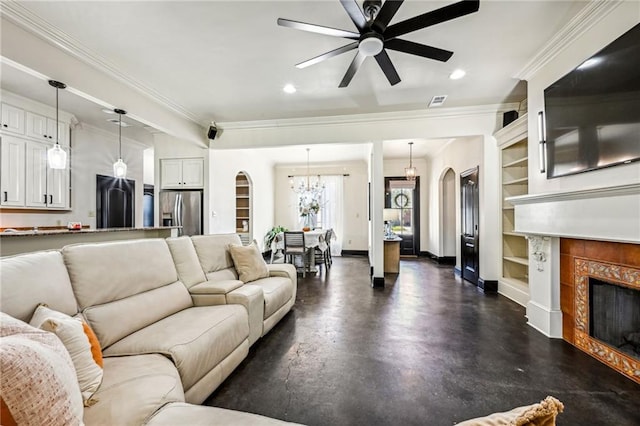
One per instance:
(15,242)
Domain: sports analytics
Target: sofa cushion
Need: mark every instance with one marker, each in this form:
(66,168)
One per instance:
(27,356)
(186,260)
(216,287)
(134,281)
(46,277)
(196,339)
(134,387)
(197,415)
(248,262)
(277,291)
(71,332)
(212,251)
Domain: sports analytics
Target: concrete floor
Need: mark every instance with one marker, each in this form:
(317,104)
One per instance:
(428,349)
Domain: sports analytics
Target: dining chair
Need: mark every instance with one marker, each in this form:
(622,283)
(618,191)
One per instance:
(277,240)
(327,237)
(294,246)
(320,253)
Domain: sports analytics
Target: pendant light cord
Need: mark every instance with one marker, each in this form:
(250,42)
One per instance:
(410,154)
(57,123)
(120,134)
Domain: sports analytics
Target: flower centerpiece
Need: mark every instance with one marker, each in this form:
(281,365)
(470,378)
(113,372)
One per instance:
(308,206)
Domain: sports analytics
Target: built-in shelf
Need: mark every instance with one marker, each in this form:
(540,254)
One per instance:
(518,260)
(520,162)
(512,234)
(514,151)
(516,181)
(243,208)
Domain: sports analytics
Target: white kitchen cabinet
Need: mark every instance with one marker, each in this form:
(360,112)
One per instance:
(12,175)
(12,119)
(45,187)
(182,173)
(43,128)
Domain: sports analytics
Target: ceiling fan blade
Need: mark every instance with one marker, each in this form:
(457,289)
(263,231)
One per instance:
(317,29)
(418,49)
(328,55)
(355,13)
(387,67)
(387,12)
(353,68)
(434,17)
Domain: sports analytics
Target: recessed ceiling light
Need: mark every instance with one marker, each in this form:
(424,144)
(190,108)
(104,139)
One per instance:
(289,88)
(108,111)
(457,74)
(116,121)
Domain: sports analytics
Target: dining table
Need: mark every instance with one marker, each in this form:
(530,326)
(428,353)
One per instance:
(312,239)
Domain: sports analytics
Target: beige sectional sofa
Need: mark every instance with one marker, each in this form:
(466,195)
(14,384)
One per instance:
(171,316)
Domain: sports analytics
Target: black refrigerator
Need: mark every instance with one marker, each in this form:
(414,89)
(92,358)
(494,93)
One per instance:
(182,208)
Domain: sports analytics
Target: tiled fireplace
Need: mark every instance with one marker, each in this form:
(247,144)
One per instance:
(580,241)
(600,301)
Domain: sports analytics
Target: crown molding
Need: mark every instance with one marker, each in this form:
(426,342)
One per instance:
(378,117)
(589,16)
(32,23)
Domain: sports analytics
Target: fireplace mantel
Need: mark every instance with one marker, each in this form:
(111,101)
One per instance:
(601,214)
(606,214)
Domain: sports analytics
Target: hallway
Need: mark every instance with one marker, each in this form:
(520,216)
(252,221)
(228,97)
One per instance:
(428,349)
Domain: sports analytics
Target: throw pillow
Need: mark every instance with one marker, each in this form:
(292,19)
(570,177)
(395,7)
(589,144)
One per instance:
(540,414)
(29,356)
(248,262)
(72,333)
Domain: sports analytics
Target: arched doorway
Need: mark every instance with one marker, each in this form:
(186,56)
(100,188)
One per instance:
(448,216)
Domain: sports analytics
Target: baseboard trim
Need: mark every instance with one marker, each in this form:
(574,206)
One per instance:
(457,271)
(377,282)
(355,253)
(441,260)
(488,286)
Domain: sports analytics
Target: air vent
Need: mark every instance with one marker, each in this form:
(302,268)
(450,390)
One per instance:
(437,101)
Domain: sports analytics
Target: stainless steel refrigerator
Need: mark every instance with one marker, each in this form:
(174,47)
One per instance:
(182,208)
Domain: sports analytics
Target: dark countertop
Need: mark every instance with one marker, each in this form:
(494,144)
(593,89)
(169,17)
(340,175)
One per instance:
(80,231)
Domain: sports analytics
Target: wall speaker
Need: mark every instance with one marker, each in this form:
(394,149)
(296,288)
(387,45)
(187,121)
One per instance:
(509,117)
(213,131)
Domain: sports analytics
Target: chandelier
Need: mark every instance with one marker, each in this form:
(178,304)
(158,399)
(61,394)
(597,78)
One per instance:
(304,187)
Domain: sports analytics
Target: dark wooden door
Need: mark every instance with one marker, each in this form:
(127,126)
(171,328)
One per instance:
(115,202)
(402,212)
(470,215)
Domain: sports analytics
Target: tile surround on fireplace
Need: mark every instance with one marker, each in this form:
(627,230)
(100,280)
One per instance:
(617,263)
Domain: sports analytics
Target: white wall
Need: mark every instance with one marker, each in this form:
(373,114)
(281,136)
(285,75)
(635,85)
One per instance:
(460,155)
(448,209)
(224,166)
(93,152)
(395,167)
(612,26)
(355,209)
(149,166)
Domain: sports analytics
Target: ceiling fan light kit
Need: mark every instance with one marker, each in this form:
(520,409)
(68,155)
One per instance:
(375,35)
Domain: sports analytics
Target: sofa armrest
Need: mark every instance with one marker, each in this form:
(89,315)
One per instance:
(286,270)
(213,292)
(252,298)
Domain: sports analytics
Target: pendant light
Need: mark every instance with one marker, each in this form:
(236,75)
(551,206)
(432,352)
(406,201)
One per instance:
(313,191)
(119,167)
(56,156)
(410,172)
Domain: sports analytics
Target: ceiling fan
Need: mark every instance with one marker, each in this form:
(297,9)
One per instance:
(375,34)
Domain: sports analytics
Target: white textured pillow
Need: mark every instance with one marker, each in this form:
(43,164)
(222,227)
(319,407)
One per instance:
(71,332)
(38,381)
(248,262)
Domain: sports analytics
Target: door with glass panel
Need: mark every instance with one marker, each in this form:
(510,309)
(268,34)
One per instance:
(402,212)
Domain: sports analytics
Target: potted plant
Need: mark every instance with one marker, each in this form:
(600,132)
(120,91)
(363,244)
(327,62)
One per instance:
(271,235)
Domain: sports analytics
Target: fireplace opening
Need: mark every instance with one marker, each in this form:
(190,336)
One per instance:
(614,316)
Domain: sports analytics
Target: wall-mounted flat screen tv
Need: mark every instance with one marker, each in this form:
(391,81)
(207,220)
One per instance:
(592,114)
